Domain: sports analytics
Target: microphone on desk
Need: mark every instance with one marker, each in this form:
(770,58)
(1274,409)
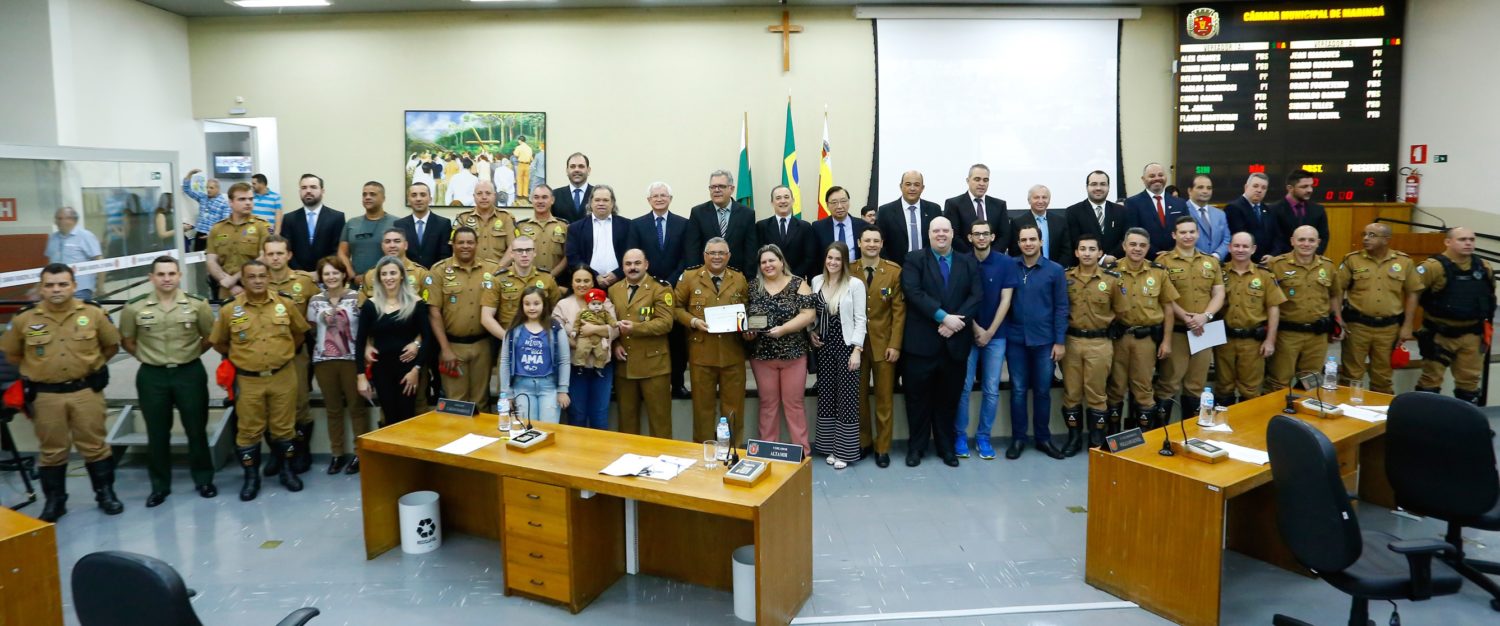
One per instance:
(1291,397)
(733,456)
(1166,438)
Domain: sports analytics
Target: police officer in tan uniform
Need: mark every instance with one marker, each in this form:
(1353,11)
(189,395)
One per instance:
(643,368)
(63,346)
(299,287)
(548,231)
(885,320)
(495,227)
(167,331)
(393,243)
(1251,312)
(716,361)
(460,288)
(1312,294)
(1094,298)
(260,332)
(512,282)
(1380,288)
(235,240)
(1458,301)
(1200,288)
(1139,331)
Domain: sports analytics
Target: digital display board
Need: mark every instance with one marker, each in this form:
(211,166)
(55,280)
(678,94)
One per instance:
(1274,87)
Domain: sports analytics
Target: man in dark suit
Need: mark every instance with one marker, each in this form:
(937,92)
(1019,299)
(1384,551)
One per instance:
(792,234)
(322,239)
(661,234)
(1053,226)
(427,233)
(903,222)
(573,198)
(838,226)
(942,291)
(1248,214)
(1154,209)
(737,225)
(603,255)
(966,208)
(1099,217)
(1298,209)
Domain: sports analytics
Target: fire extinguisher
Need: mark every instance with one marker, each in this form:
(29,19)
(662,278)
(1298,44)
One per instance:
(1413,184)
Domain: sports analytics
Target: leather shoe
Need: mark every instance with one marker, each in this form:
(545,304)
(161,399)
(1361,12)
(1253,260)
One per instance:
(1017,446)
(681,393)
(353,467)
(950,461)
(337,463)
(882,459)
(1046,447)
(913,460)
(208,491)
(156,498)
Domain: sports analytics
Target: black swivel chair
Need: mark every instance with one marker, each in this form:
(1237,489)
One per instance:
(1440,457)
(125,589)
(1319,525)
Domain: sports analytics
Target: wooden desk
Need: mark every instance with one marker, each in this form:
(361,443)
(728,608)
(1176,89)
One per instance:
(30,589)
(1157,526)
(532,504)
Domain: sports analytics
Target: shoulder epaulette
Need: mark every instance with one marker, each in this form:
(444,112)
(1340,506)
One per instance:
(1264,266)
(92,304)
(137,298)
(194,296)
(1352,253)
(1400,253)
(689,269)
(1322,258)
(26,308)
(664,283)
(1110,272)
(1157,265)
(1110,266)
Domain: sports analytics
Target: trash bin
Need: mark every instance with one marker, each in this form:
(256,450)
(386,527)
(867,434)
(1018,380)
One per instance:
(421,522)
(744,583)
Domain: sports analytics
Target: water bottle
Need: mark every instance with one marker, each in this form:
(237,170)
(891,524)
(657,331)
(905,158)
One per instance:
(1206,408)
(1331,374)
(502,408)
(721,448)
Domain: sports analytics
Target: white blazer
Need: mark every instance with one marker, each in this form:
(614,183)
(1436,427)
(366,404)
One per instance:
(851,307)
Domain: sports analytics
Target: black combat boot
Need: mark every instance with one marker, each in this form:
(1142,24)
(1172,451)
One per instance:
(1430,390)
(302,461)
(287,450)
(1143,417)
(1098,418)
(54,480)
(1114,416)
(102,475)
(250,460)
(1163,414)
(1190,406)
(1472,397)
(1074,418)
(273,464)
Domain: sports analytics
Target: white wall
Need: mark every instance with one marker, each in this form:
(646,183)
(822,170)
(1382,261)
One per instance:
(27,115)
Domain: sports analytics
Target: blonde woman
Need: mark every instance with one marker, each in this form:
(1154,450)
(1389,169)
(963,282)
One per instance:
(389,320)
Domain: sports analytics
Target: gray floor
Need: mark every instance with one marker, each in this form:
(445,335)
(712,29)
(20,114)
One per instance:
(988,534)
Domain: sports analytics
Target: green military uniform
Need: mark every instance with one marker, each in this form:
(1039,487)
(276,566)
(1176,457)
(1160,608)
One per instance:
(1148,293)
(885,321)
(551,237)
(1194,277)
(169,340)
(495,232)
(1375,292)
(716,361)
(511,286)
(1306,318)
(236,242)
(1458,298)
(1249,298)
(1094,299)
(458,292)
(643,377)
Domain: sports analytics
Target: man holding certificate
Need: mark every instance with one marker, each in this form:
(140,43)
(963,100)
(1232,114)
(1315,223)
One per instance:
(711,305)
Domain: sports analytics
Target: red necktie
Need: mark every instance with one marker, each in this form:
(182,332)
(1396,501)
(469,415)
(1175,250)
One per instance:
(1161,214)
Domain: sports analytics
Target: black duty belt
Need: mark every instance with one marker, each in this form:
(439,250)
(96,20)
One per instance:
(1477,328)
(244,372)
(1259,332)
(1318,326)
(1141,332)
(1088,334)
(67,387)
(466,339)
(1353,316)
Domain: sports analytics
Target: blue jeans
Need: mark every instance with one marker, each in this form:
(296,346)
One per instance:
(589,391)
(1030,374)
(541,397)
(993,354)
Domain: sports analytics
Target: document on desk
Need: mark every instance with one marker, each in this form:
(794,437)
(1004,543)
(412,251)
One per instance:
(1241,453)
(467,444)
(664,467)
(1362,413)
(729,318)
(1213,335)
(628,465)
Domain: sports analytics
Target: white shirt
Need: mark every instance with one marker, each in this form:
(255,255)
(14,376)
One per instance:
(505,182)
(906,213)
(603,260)
(461,188)
(419,225)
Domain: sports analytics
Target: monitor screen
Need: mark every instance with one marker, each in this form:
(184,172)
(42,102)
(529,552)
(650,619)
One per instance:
(232,164)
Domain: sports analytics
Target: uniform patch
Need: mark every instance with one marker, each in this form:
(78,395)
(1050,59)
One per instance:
(1421,269)
(83,320)
(1322,273)
(448,270)
(1207,265)
(558,231)
(1103,287)
(37,326)
(250,230)
(1395,267)
(488,276)
(427,281)
(667,298)
(296,287)
(1150,281)
(1291,292)
(1255,283)
(280,309)
(489,285)
(541,285)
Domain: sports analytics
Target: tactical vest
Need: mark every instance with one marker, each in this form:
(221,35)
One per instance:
(1466,296)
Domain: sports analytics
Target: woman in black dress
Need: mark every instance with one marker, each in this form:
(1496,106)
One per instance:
(840,342)
(392,319)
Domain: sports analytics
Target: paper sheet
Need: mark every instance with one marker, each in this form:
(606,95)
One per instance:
(1361,413)
(1241,453)
(628,465)
(1377,409)
(662,467)
(729,318)
(1221,428)
(467,443)
(1213,335)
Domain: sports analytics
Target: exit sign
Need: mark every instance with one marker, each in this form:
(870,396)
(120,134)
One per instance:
(7,209)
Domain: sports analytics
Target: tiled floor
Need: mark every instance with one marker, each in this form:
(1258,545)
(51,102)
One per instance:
(987,534)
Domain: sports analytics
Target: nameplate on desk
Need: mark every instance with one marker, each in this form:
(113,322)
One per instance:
(1124,441)
(455,407)
(773,450)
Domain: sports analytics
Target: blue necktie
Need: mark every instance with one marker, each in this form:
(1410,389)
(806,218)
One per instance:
(578,198)
(312,225)
(420,229)
(943,267)
(661,233)
(841,235)
(1257,214)
(1041,223)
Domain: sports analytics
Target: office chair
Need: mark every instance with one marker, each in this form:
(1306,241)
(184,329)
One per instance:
(125,589)
(1318,523)
(1440,458)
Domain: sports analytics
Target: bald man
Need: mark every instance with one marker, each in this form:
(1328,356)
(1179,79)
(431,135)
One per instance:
(1307,316)
(904,221)
(1380,292)
(1155,210)
(495,227)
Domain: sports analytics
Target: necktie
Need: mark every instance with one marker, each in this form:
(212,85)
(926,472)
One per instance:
(312,225)
(1099,216)
(783,229)
(421,228)
(841,235)
(869,276)
(723,221)
(631,296)
(1161,214)
(1203,219)
(1257,213)
(1301,210)
(913,233)
(979,209)
(1041,227)
(661,233)
(943,267)
(578,198)
(717,280)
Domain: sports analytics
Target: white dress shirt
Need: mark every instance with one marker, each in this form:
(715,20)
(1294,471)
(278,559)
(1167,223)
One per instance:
(603,260)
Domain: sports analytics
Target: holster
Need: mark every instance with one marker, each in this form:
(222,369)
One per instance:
(1426,342)
(99,379)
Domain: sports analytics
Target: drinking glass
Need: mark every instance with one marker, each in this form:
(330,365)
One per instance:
(710,454)
(1357,392)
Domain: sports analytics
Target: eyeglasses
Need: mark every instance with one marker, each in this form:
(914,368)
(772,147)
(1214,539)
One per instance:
(718,187)
(523,250)
(717,253)
(982,234)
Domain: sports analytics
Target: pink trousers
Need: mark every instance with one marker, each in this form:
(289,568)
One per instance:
(782,384)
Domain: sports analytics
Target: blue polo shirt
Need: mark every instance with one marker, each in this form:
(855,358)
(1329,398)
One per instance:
(1039,307)
(998,272)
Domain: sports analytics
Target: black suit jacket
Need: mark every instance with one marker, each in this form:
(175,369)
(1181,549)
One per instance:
(1080,220)
(325,242)
(1057,234)
(922,285)
(580,247)
(563,206)
(436,242)
(703,225)
(1140,211)
(1315,216)
(1242,219)
(823,229)
(960,210)
(662,263)
(890,218)
(800,244)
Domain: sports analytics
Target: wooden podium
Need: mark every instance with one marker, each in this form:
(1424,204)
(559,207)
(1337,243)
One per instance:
(30,589)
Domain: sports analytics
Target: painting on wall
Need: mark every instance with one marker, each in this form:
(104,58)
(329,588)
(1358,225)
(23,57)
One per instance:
(451,151)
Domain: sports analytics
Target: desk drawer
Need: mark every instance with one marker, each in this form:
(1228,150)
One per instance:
(547,499)
(538,582)
(529,524)
(524,552)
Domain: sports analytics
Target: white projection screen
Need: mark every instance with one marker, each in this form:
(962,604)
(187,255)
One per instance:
(1035,100)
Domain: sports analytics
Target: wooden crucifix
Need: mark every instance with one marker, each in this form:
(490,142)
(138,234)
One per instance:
(785,28)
